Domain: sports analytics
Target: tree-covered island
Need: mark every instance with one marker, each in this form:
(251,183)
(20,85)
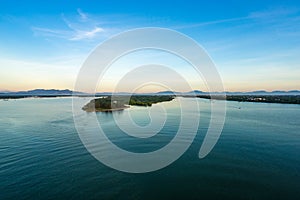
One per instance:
(114,103)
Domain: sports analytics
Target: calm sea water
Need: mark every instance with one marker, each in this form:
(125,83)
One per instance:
(256,157)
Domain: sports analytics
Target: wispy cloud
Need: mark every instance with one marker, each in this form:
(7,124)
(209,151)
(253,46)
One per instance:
(80,29)
(51,32)
(83,16)
(266,15)
(210,23)
(273,13)
(83,31)
(86,34)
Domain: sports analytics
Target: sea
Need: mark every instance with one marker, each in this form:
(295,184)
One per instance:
(42,156)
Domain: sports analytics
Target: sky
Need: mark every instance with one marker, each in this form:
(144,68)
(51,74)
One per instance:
(255,45)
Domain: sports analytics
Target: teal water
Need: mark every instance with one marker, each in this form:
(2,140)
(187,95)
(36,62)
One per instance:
(256,157)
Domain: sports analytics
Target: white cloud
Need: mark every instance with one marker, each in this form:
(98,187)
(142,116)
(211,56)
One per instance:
(86,34)
(46,32)
(76,30)
(266,15)
(83,16)
(273,13)
(210,23)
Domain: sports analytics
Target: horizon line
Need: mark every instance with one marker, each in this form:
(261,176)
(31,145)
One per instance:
(196,90)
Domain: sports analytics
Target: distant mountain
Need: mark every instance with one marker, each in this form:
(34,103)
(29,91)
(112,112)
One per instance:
(278,92)
(294,91)
(4,91)
(47,92)
(259,91)
(197,91)
(194,92)
(167,93)
(43,92)
(66,92)
(263,92)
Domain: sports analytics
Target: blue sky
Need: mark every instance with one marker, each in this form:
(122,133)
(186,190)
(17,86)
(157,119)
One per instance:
(254,44)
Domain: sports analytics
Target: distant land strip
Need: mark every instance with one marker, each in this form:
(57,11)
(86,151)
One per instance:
(284,99)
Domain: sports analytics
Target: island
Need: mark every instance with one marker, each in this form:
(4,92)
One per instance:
(116,103)
(283,99)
